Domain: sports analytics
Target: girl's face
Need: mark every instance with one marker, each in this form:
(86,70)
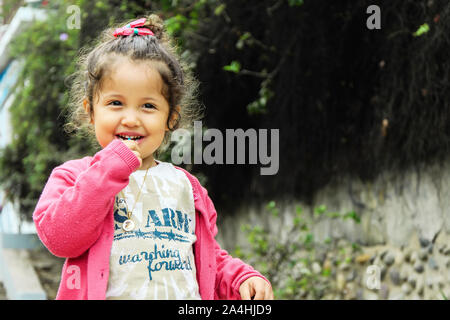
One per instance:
(130,104)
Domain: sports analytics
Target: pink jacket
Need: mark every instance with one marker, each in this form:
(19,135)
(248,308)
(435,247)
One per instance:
(74,219)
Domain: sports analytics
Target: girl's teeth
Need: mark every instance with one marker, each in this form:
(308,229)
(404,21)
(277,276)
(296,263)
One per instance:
(129,137)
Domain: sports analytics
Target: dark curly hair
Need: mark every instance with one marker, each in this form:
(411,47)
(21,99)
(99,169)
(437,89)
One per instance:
(180,88)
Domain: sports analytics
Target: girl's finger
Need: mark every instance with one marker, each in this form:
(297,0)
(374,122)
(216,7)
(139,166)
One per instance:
(260,292)
(245,292)
(268,294)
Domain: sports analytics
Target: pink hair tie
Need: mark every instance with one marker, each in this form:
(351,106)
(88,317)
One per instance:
(131,28)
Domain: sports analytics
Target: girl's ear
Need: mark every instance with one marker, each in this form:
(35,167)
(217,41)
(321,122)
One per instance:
(87,108)
(175,118)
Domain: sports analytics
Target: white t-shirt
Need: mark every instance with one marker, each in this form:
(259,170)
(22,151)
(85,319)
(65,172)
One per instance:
(155,260)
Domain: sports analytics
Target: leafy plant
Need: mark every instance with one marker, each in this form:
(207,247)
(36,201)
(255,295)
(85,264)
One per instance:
(289,258)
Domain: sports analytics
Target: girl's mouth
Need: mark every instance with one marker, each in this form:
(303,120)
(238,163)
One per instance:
(135,138)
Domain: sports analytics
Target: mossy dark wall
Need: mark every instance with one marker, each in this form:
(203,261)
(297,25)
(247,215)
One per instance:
(347,100)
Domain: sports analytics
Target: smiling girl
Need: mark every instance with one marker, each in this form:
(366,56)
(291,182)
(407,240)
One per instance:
(131,226)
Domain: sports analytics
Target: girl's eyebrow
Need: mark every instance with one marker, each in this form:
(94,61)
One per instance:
(122,97)
(113,95)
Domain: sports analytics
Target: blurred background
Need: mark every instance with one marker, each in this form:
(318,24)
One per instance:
(360,206)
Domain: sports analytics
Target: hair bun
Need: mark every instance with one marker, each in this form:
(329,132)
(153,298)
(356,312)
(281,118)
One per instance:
(156,24)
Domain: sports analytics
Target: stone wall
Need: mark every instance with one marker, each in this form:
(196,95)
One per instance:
(404,231)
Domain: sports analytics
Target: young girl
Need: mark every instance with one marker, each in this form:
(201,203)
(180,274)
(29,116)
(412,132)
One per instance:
(131,226)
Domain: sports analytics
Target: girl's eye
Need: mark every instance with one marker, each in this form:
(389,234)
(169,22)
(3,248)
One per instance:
(115,104)
(118,103)
(149,106)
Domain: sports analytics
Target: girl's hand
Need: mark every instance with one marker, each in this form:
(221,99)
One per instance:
(256,288)
(133,146)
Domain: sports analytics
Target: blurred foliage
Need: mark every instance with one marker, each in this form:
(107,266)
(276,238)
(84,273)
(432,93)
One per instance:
(39,143)
(9,8)
(287,256)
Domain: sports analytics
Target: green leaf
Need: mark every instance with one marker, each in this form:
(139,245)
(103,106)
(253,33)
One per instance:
(219,9)
(242,39)
(174,24)
(326,272)
(234,66)
(320,209)
(424,28)
(256,108)
(352,215)
(309,239)
(295,3)
(355,246)
(333,214)
(270,205)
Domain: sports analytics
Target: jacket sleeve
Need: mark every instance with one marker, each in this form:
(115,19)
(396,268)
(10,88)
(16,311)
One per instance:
(231,272)
(73,205)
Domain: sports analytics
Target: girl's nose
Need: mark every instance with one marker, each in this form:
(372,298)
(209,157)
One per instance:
(130,119)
